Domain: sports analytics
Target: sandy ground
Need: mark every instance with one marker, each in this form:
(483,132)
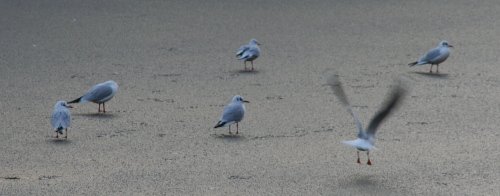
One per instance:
(176,69)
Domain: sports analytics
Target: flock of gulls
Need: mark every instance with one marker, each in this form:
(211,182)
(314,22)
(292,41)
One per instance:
(235,111)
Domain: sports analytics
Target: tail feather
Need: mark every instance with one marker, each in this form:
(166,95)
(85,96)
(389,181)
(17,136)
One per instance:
(220,124)
(412,64)
(76,100)
(60,129)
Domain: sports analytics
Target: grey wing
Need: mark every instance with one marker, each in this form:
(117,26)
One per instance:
(336,85)
(392,103)
(430,56)
(61,118)
(252,53)
(358,123)
(233,113)
(99,93)
(242,50)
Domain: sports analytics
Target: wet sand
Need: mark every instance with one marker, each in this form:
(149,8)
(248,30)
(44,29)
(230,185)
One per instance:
(176,69)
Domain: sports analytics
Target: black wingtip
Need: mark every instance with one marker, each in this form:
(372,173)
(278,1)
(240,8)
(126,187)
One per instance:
(336,86)
(76,100)
(391,104)
(60,130)
(414,63)
(220,124)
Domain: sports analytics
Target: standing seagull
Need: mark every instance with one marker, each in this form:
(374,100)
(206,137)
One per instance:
(233,113)
(366,138)
(249,52)
(99,94)
(435,56)
(61,118)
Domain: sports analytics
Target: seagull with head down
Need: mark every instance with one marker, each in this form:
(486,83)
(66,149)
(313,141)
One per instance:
(100,94)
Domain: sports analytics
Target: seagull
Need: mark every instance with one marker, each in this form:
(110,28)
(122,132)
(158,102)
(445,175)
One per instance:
(249,52)
(61,118)
(233,113)
(366,138)
(99,94)
(435,56)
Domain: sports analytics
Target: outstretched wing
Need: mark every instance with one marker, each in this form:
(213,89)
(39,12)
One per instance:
(336,85)
(390,105)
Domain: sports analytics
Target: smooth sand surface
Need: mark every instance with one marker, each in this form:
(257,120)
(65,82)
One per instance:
(176,68)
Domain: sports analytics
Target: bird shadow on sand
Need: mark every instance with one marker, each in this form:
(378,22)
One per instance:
(357,181)
(97,115)
(363,180)
(431,75)
(366,184)
(58,141)
(232,137)
(248,71)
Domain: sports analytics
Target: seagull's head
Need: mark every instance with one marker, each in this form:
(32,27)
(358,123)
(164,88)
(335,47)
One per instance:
(446,44)
(62,104)
(239,99)
(254,42)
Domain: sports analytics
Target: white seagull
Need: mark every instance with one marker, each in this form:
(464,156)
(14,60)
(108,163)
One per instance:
(435,56)
(233,113)
(99,94)
(249,52)
(366,138)
(61,118)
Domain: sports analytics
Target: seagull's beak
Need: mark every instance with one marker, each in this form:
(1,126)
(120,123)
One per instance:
(246,101)
(69,106)
(450,46)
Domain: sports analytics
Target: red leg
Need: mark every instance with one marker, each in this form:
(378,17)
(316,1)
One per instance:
(245,64)
(369,162)
(437,67)
(103,108)
(252,64)
(99,110)
(57,134)
(431,68)
(66,133)
(358,158)
(236,128)
(230,130)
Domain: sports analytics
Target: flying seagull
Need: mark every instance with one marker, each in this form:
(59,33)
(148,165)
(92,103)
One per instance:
(366,138)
